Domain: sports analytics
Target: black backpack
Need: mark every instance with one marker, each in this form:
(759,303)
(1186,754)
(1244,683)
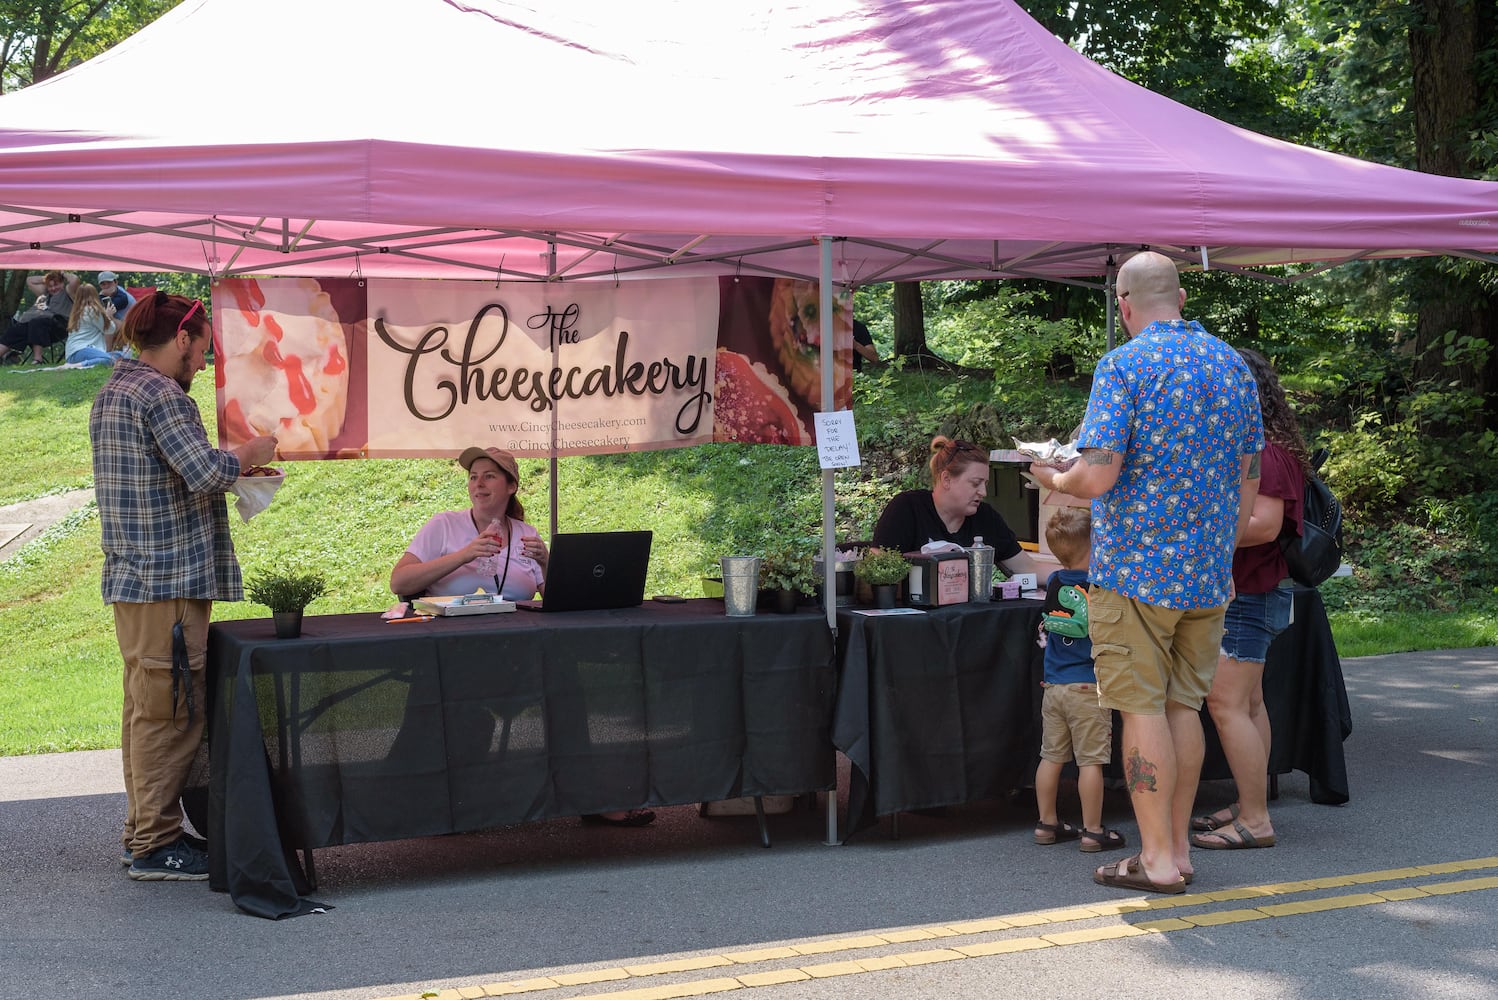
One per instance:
(1315,555)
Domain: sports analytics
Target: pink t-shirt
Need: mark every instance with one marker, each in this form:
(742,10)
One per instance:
(450,530)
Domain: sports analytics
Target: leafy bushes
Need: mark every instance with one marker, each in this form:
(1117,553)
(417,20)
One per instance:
(1441,556)
(1410,457)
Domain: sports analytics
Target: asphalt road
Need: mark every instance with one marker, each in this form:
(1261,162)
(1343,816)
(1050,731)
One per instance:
(1361,900)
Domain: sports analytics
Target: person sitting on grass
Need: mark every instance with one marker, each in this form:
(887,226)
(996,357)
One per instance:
(90,329)
(1074,725)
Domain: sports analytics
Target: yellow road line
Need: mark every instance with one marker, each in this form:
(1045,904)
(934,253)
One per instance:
(959,951)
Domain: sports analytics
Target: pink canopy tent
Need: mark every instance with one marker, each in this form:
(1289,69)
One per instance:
(478,138)
(850,141)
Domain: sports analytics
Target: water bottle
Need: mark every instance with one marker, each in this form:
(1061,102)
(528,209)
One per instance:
(979,571)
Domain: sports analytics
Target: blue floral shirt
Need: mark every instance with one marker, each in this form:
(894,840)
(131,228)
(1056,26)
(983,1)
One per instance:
(1182,409)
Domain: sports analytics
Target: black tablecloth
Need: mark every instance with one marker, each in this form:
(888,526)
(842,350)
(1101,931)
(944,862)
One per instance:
(944,708)
(939,708)
(362,731)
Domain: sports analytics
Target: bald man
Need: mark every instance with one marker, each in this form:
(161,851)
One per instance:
(1170,457)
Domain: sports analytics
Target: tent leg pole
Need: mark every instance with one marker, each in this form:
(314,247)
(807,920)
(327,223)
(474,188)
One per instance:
(1110,304)
(829,560)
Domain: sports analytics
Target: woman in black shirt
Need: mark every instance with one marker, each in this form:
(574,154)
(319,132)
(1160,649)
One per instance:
(952,510)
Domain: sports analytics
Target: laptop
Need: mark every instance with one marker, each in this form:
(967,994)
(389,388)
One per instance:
(594,571)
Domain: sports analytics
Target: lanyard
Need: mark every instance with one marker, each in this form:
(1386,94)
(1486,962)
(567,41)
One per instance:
(499,581)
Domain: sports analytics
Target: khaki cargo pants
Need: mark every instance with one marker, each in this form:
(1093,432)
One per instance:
(158,741)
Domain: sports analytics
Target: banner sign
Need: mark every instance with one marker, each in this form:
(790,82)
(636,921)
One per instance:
(350,368)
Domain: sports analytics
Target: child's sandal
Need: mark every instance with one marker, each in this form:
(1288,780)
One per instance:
(1107,840)
(1054,833)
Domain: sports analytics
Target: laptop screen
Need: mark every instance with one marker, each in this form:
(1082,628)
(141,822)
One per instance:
(595,570)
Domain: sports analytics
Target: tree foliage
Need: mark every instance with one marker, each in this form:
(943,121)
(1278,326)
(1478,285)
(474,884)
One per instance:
(43,38)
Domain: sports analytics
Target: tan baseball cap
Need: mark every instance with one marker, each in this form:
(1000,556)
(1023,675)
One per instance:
(503,459)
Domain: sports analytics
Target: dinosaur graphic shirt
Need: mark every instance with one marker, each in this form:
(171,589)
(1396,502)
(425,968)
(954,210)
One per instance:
(1068,650)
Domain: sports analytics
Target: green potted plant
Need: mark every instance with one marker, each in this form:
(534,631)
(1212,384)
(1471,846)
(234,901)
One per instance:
(287,593)
(883,570)
(788,572)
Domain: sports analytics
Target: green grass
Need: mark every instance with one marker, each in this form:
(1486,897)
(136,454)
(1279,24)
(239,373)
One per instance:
(1360,633)
(351,520)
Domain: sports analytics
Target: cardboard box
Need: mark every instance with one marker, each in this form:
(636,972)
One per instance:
(1050,500)
(937,579)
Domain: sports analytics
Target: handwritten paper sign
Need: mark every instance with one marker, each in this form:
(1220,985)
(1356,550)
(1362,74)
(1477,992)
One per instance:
(837,441)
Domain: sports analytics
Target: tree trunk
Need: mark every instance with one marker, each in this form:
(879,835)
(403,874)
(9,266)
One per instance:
(1445,101)
(12,291)
(910,320)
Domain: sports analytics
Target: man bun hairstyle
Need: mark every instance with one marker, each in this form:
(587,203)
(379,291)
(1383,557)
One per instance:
(154,320)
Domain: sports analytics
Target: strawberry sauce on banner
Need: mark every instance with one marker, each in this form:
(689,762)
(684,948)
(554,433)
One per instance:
(386,368)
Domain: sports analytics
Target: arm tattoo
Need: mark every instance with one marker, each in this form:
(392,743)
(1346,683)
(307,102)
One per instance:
(1254,466)
(1097,456)
(1139,774)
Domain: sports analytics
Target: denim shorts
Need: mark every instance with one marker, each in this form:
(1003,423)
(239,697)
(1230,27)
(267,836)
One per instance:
(1252,622)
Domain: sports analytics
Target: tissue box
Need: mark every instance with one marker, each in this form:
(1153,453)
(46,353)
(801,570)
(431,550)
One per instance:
(937,579)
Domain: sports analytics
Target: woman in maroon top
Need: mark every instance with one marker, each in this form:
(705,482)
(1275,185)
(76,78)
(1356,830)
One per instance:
(1260,611)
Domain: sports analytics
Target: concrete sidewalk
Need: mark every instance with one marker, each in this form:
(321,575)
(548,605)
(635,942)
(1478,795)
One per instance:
(21,522)
(1356,901)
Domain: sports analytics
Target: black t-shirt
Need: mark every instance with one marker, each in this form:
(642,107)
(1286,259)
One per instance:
(910,520)
(861,335)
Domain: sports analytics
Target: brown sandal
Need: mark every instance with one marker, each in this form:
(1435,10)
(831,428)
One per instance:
(1130,874)
(1055,833)
(1235,838)
(1210,822)
(1106,840)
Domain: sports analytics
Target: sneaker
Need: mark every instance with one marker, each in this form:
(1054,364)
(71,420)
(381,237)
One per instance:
(126,858)
(176,862)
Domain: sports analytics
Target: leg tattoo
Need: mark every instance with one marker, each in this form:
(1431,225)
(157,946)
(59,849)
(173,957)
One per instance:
(1138,772)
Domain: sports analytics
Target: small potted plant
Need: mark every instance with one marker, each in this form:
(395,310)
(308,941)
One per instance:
(788,573)
(883,570)
(287,593)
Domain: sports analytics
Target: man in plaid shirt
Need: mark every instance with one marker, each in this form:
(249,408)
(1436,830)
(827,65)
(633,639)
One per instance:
(167,557)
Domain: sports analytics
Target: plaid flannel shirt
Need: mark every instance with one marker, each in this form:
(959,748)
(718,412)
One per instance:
(160,487)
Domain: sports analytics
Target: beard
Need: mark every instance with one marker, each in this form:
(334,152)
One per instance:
(184,373)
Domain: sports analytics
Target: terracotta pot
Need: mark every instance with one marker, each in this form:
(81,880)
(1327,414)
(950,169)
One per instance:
(288,624)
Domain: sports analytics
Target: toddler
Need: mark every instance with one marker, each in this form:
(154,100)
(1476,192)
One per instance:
(1074,726)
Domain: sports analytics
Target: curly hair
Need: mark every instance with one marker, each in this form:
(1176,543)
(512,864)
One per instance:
(1280,425)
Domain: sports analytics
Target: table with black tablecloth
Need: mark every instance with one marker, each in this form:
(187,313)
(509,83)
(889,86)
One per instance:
(943,708)
(363,730)
(939,708)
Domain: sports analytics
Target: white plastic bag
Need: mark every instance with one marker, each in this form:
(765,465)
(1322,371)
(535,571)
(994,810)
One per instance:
(254,493)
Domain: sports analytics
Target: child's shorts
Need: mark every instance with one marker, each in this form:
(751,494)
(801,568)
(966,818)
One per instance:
(1074,725)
